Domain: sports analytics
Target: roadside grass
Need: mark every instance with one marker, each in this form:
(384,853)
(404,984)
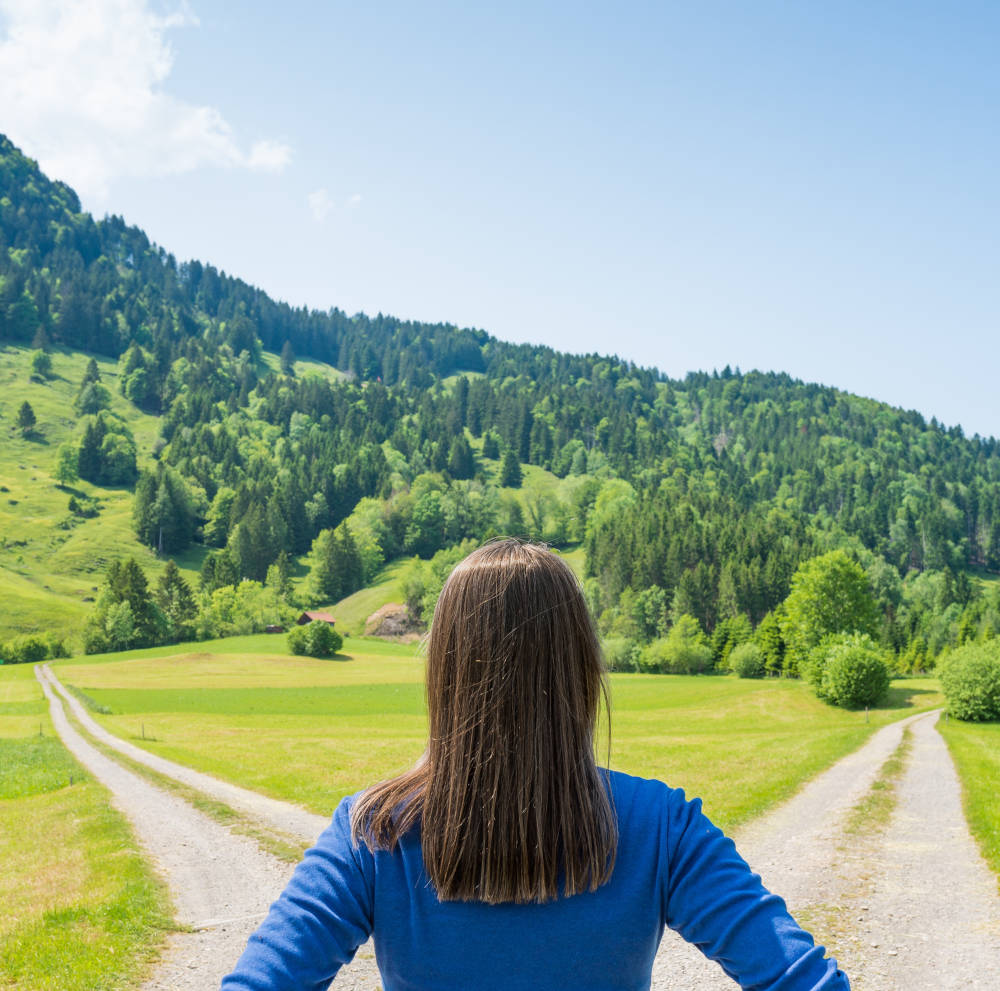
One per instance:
(50,559)
(82,910)
(975,748)
(742,745)
(875,809)
(278,844)
(312,731)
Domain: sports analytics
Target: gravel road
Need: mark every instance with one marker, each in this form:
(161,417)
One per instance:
(924,910)
(925,907)
(281,817)
(221,884)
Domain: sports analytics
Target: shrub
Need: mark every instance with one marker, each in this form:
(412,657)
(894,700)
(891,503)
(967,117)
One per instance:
(298,640)
(621,654)
(683,651)
(57,645)
(850,671)
(970,677)
(747,660)
(41,364)
(94,640)
(26,649)
(324,640)
(316,639)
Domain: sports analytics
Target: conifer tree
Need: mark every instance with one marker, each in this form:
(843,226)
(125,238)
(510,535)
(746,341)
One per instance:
(461,463)
(177,603)
(510,470)
(26,417)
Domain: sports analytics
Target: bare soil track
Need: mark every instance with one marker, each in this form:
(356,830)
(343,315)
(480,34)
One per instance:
(916,907)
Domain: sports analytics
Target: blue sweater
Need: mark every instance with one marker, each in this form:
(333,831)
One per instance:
(674,868)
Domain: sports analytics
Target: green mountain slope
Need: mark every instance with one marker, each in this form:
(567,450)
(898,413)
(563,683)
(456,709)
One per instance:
(243,433)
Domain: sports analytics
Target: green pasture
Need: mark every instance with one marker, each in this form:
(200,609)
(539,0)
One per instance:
(304,367)
(387,586)
(975,748)
(82,911)
(50,560)
(311,731)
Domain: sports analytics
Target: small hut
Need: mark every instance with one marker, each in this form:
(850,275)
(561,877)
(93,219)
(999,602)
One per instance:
(312,616)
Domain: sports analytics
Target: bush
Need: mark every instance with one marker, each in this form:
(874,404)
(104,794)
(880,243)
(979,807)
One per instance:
(298,640)
(683,651)
(94,640)
(849,671)
(747,660)
(57,646)
(27,649)
(970,677)
(316,639)
(621,654)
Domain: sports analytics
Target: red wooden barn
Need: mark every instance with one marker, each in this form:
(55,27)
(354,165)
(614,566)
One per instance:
(312,616)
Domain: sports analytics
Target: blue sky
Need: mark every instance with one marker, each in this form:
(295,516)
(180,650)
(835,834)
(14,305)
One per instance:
(804,187)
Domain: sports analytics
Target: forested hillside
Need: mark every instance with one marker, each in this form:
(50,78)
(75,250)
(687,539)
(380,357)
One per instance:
(697,497)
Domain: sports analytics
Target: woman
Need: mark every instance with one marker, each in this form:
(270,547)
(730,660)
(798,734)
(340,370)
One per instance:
(506,858)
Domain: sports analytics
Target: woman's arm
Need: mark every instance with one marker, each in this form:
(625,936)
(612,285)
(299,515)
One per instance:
(715,901)
(318,922)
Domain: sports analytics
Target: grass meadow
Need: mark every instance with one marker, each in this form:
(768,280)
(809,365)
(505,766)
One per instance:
(52,562)
(81,908)
(975,748)
(312,731)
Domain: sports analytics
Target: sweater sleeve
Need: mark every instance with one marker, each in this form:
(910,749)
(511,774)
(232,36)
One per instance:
(714,900)
(318,922)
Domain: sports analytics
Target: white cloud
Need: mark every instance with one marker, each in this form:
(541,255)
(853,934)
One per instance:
(355,200)
(81,87)
(320,203)
(269,156)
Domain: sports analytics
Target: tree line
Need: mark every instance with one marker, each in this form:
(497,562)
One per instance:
(699,497)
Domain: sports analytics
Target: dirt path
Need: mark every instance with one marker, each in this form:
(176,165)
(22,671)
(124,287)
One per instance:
(927,909)
(923,908)
(221,884)
(282,817)
(918,904)
(792,848)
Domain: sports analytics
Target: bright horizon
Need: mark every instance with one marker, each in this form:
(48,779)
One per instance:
(809,191)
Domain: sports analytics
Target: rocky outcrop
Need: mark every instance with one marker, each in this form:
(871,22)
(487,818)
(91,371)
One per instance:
(393,621)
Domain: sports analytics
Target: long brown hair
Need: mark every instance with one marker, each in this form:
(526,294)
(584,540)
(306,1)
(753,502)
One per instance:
(510,801)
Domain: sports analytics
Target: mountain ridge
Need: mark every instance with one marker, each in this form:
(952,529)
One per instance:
(711,489)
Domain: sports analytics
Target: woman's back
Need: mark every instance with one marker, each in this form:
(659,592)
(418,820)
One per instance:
(673,868)
(505,858)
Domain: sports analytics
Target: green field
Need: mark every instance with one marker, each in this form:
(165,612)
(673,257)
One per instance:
(975,748)
(82,910)
(312,730)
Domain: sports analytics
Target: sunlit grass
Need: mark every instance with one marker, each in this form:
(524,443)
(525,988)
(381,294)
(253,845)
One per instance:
(352,611)
(975,748)
(312,731)
(741,745)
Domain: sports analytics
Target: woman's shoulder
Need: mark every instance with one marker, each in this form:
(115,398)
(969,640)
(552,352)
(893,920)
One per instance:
(646,799)
(648,789)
